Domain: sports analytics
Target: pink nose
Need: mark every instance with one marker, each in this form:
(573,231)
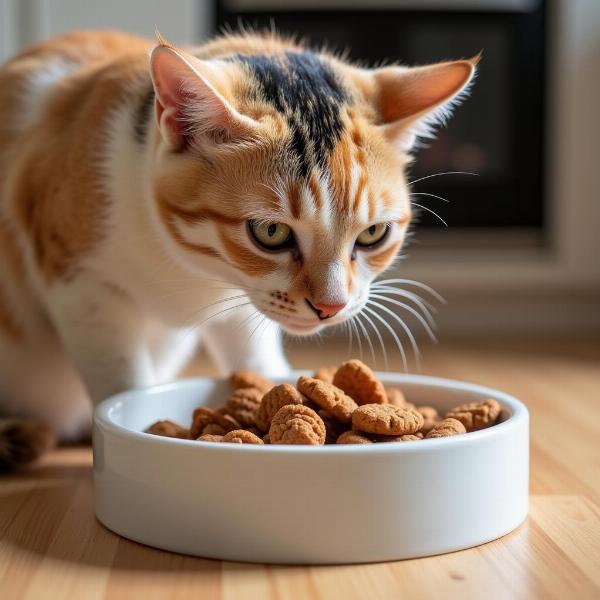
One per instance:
(324,311)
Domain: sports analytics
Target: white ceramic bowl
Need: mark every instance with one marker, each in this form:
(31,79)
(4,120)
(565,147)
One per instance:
(306,504)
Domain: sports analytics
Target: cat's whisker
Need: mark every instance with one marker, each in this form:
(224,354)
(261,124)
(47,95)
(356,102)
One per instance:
(409,294)
(165,296)
(357,334)
(367,337)
(203,278)
(392,333)
(428,194)
(376,330)
(425,306)
(236,285)
(260,322)
(193,327)
(430,211)
(411,310)
(350,340)
(246,322)
(418,284)
(196,313)
(224,301)
(267,323)
(248,319)
(418,306)
(402,324)
(439,174)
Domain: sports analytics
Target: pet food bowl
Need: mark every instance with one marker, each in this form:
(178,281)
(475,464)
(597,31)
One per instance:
(308,504)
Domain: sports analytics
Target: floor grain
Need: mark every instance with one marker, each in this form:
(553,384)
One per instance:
(51,546)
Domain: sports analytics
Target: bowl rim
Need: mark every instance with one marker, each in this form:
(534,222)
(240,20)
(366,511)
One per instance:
(519,415)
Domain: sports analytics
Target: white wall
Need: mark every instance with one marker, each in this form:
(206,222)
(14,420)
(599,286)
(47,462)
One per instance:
(25,21)
(507,288)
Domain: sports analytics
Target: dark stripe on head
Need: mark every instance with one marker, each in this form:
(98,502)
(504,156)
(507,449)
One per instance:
(305,90)
(142,116)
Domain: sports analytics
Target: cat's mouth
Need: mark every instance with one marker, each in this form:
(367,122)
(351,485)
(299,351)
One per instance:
(309,326)
(300,326)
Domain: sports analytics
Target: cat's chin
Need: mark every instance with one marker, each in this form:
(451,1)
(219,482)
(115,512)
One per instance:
(301,329)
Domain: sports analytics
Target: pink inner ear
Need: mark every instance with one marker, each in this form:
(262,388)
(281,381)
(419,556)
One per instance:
(168,75)
(171,125)
(188,102)
(411,92)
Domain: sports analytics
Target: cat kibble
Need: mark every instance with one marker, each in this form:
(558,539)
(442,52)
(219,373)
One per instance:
(317,411)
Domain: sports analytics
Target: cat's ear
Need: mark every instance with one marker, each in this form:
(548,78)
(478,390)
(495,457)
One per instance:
(411,101)
(190,100)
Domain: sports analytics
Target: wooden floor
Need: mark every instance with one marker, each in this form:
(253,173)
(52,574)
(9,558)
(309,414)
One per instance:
(52,547)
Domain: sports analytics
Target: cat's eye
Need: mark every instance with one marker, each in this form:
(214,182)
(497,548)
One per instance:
(372,235)
(271,236)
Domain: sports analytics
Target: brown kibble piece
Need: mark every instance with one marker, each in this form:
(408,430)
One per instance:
(359,382)
(214,429)
(407,437)
(243,404)
(353,437)
(476,415)
(333,427)
(297,424)
(396,397)
(430,417)
(249,379)
(386,419)
(241,436)
(273,400)
(328,397)
(446,428)
(325,374)
(204,416)
(266,439)
(169,429)
(311,404)
(207,437)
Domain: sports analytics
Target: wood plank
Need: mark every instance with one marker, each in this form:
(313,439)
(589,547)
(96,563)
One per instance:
(51,546)
(158,574)
(71,569)
(27,538)
(573,525)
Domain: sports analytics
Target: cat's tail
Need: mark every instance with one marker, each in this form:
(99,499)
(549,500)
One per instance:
(23,441)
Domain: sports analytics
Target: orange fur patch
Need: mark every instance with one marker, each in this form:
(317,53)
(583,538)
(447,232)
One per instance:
(379,261)
(294,199)
(168,219)
(8,323)
(57,198)
(315,190)
(252,264)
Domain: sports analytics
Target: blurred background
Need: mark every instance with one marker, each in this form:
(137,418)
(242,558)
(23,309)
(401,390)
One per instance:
(521,252)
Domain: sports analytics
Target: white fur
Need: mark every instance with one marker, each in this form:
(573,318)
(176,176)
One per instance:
(140,303)
(130,317)
(37,88)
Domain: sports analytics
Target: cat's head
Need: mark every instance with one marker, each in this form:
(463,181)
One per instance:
(283,170)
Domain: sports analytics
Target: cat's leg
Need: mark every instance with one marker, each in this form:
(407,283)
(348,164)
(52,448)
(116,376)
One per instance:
(41,395)
(171,349)
(23,441)
(246,341)
(106,334)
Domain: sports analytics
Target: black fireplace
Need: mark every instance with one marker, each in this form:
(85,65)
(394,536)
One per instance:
(498,134)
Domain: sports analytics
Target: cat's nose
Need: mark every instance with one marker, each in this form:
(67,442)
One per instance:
(325,311)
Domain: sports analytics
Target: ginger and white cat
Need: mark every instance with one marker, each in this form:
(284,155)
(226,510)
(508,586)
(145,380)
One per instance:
(143,194)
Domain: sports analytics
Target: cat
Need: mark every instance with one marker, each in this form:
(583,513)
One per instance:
(151,196)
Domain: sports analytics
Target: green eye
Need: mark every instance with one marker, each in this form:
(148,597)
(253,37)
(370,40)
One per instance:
(373,235)
(272,236)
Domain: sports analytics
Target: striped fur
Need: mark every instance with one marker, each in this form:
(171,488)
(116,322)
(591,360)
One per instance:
(127,189)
